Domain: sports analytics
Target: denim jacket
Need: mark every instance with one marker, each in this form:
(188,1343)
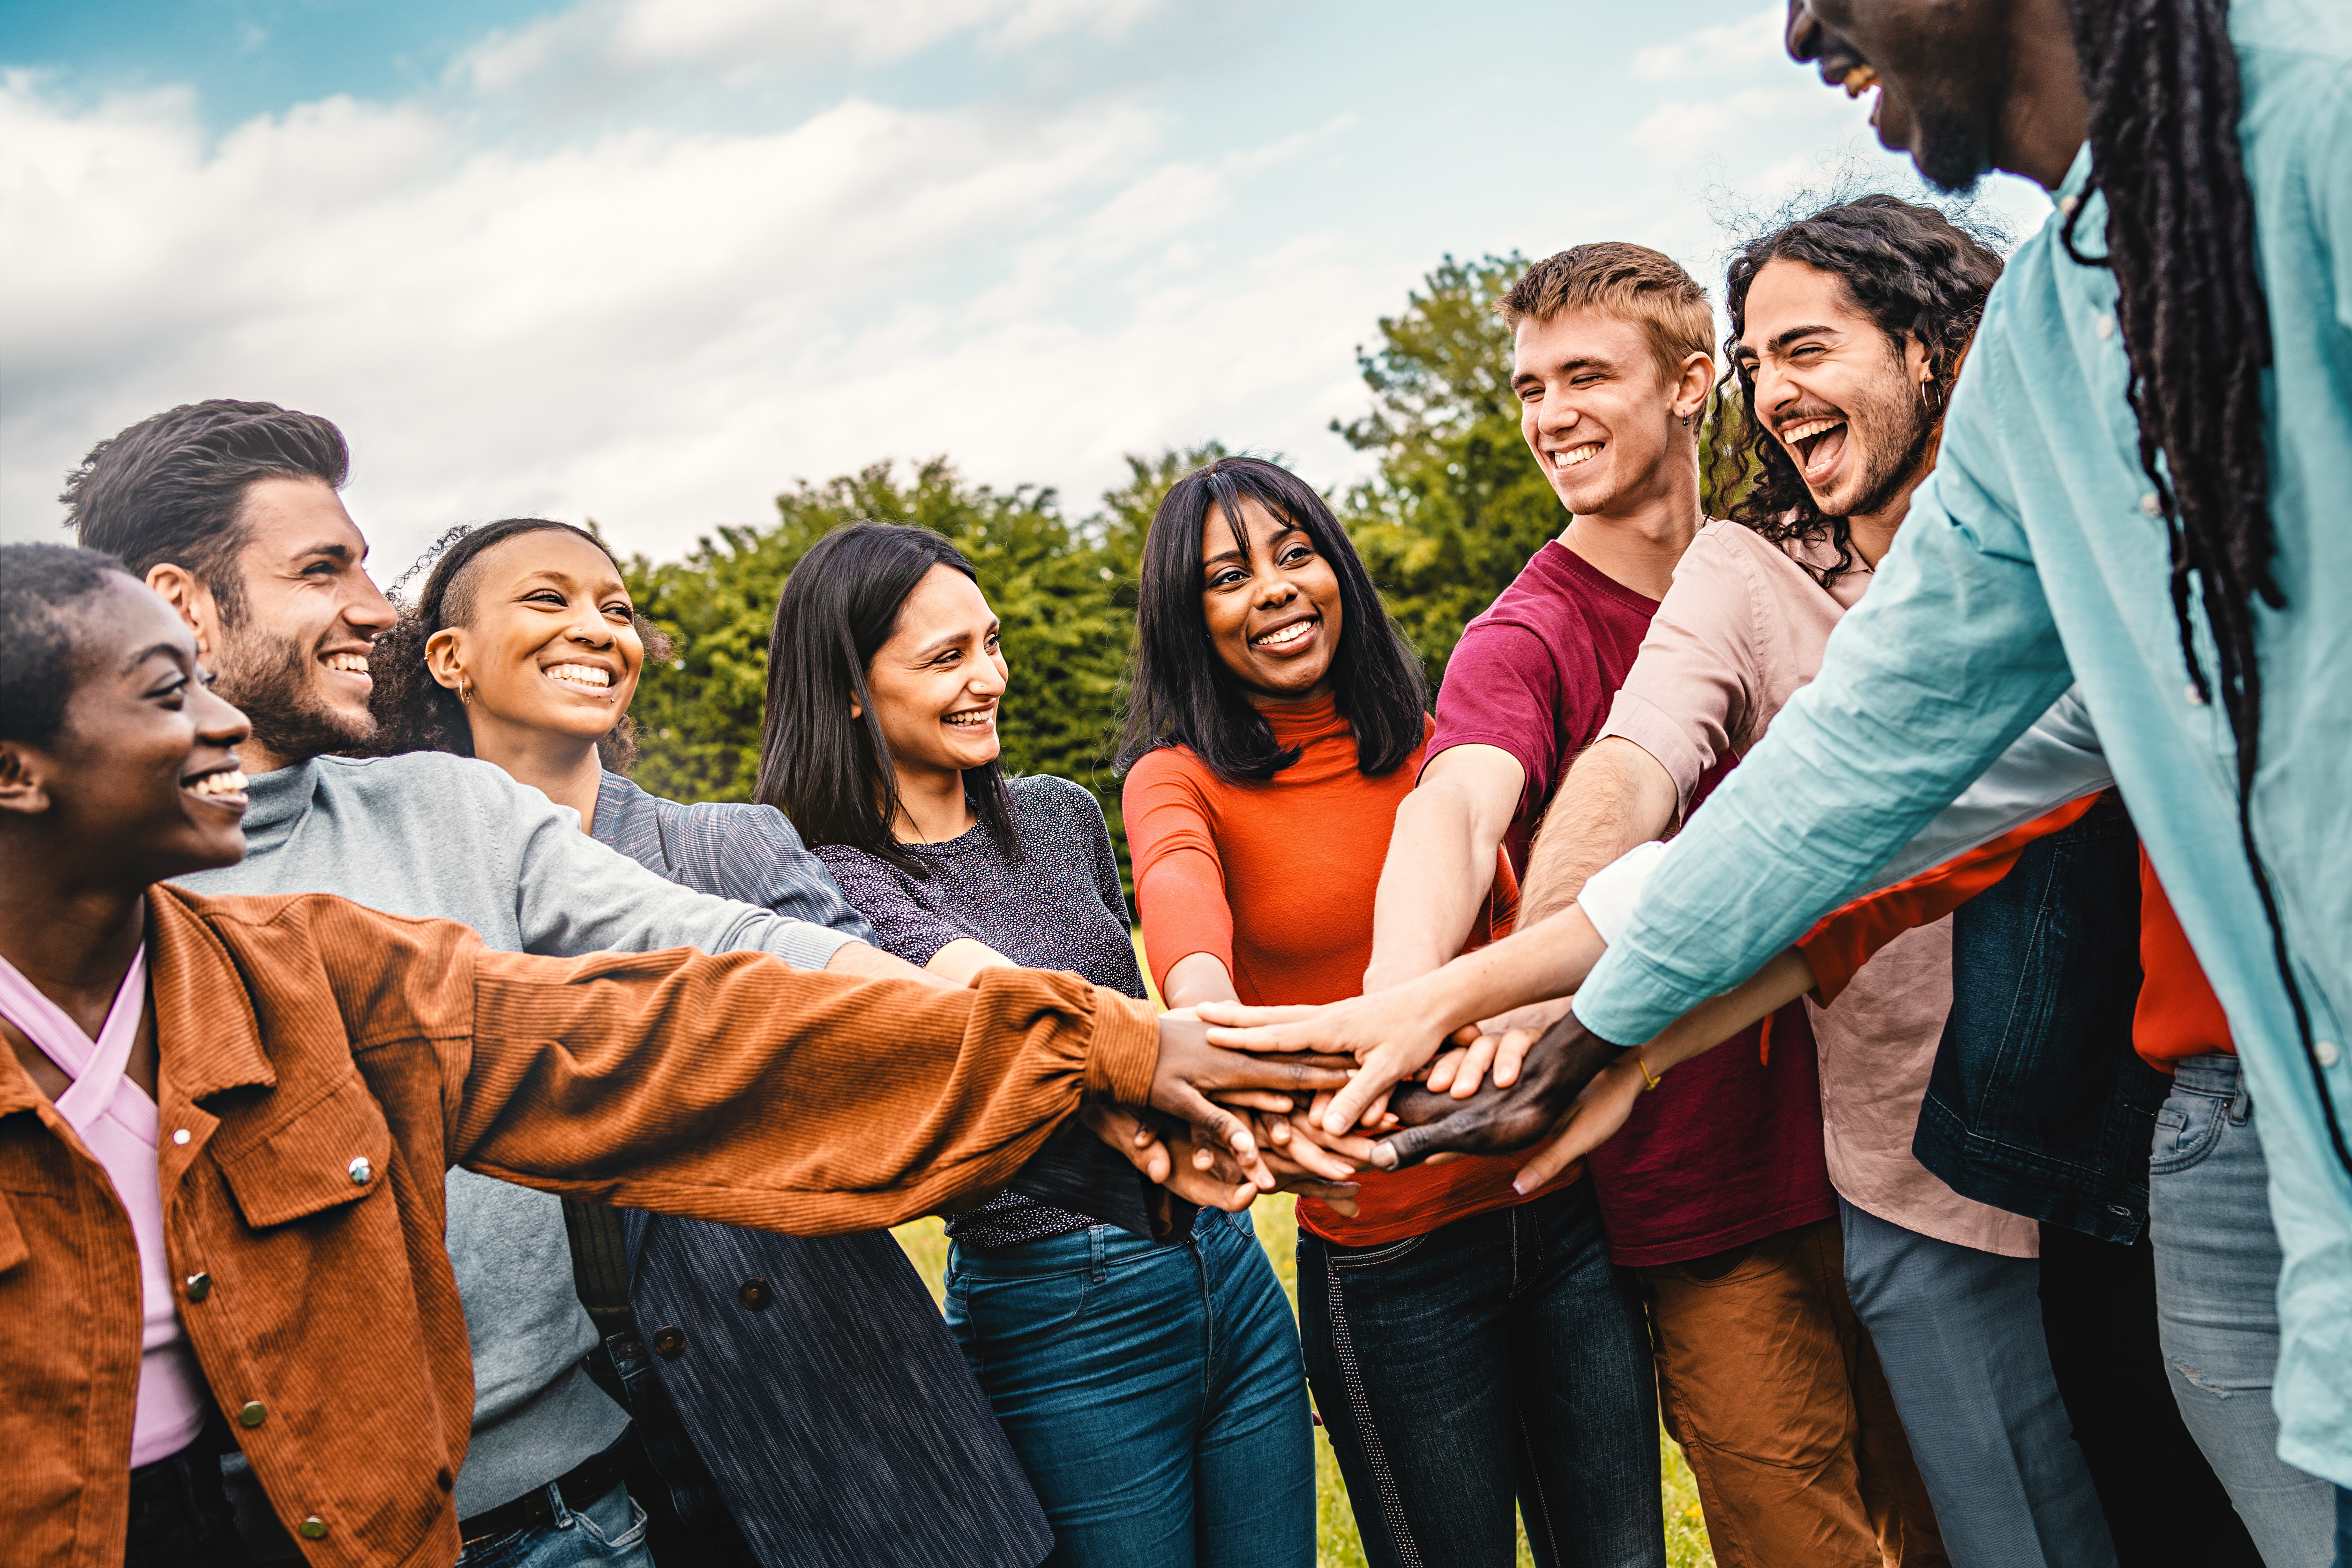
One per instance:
(2037,1104)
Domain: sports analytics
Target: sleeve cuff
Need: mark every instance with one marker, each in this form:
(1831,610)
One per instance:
(1125,1050)
(811,946)
(1632,717)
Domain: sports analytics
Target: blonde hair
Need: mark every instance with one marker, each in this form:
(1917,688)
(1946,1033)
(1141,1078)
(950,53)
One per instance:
(1632,282)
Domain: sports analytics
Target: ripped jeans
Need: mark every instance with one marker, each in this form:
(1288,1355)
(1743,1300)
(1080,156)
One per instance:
(2217,1269)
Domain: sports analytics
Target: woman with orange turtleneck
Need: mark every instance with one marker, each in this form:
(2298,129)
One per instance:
(1466,1344)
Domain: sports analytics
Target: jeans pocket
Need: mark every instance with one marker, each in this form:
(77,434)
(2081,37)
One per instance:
(596,1545)
(2188,1127)
(1372,1256)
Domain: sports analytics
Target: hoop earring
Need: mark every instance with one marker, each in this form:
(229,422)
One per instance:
(465,691)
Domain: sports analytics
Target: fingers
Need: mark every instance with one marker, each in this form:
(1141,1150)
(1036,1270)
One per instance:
(1306,1154)
(1227,1131)
(1441,1070)
(1409,1145)
(1511,1053)
(1340,1195)
(1254,1100)
(1381,1071)
(1472,1071)
(1239,1016)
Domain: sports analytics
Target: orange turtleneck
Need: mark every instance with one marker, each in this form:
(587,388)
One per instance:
(1276,881)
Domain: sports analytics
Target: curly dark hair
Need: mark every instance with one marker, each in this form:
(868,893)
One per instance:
(415,712)
(1909,267)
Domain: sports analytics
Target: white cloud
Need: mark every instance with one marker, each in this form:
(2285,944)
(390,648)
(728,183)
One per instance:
(738,38)
(658,329)
(1733,49)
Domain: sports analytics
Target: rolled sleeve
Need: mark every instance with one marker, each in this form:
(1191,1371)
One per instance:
(1950,657)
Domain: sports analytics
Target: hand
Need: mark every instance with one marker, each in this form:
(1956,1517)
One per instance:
(1388,1040)
(1596,1117)
(1189,1069)
(1502,1041)
(1499,1120)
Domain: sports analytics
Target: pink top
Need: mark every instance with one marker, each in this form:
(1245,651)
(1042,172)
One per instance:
(116,1122)
(1741,631)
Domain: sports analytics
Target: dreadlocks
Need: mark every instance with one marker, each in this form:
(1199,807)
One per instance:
(2162,80)
(1909,268)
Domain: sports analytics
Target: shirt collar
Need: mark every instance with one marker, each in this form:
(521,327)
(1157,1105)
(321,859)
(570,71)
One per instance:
(201,1005)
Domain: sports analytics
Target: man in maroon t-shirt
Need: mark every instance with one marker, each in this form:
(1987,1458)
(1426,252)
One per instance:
(1716,1191)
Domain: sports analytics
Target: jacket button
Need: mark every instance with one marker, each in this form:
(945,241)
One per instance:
(252,1413)
(199,1287)
(312,1529)
(362,1172)
(669,1341)
(755,1294)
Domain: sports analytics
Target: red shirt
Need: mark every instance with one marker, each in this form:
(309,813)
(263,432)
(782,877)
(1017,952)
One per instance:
(1714,1158)
(1276,881)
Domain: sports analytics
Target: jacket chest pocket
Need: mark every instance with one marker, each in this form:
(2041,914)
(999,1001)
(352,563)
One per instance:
(335,1150)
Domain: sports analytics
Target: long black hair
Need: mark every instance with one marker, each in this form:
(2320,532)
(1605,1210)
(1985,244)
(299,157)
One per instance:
(1911,270)
(1182,694)
(415,712)
(2162,80)
(830,772)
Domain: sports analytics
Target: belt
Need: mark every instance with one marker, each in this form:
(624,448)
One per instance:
(581,1485)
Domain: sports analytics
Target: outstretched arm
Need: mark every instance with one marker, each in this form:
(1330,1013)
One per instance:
(1616,796)
(1440,862)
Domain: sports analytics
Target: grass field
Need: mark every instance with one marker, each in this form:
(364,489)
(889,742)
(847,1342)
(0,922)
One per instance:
(1336,1545)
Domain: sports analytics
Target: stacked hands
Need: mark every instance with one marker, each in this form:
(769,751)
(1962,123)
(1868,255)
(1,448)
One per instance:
(1251,1100)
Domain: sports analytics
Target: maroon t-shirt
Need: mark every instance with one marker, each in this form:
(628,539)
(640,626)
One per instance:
(1729,1148)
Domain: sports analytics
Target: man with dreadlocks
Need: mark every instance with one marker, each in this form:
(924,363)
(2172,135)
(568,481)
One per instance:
(2139,490)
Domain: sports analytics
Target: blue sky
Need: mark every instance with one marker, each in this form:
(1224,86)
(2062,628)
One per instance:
(651,260)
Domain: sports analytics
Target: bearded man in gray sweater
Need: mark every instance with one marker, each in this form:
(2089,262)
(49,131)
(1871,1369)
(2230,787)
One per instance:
(230,510)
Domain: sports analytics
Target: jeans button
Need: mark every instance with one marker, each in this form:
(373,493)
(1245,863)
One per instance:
(669,1341)
(756,1294)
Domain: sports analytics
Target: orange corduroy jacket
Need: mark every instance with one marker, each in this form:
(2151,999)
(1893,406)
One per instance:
(326,1064)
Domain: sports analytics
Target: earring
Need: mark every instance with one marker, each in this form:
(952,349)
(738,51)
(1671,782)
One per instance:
(465,691)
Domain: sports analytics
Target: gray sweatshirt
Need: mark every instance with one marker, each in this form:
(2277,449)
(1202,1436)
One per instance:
(430,835)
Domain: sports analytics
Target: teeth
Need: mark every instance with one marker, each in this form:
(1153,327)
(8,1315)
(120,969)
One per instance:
(1575,454)
(355,663)
(970,720)
(581,675)
(1287,634)
(229,783)
(1808,429)
(1859,80)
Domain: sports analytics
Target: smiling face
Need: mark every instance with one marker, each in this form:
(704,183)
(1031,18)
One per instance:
(937,682)
(549,644)
(1940,67)
(1846,404)
(141,783)
(1600,418)
(1272,605)
(294,658)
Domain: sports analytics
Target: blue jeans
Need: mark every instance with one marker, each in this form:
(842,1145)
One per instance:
(1501,1355)
(2217,1270)
(609,1534)
(1960,1334)
(2343,1528)
(1153,1393)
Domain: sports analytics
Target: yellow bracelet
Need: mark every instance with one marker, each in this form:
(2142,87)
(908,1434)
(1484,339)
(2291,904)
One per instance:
(1646,1078)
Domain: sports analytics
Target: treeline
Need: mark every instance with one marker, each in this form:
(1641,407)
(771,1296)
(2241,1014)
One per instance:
(1454,508)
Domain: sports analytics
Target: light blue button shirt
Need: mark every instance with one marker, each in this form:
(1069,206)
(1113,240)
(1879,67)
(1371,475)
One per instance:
(2033,557)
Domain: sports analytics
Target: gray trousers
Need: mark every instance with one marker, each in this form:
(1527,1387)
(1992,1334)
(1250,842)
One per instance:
(1960,1333)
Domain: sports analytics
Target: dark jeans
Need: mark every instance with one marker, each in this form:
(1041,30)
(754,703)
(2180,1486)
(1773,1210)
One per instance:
(180,1515)
(2163,1503)
(1153,1391)
(1501,1355)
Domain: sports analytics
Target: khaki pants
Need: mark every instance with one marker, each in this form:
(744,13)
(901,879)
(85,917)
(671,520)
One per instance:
(1769,1382)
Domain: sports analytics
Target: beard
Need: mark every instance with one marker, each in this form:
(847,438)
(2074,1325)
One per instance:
(275,680)
(1891,434)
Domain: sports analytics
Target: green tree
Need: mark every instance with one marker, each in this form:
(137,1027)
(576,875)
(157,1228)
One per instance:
(1459,503)
(1064,591)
